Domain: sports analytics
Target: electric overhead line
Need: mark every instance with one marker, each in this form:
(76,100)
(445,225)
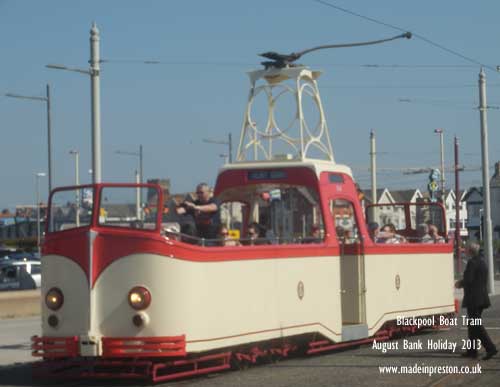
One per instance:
(173,63)
(230,63)
(448,86)
(418,36)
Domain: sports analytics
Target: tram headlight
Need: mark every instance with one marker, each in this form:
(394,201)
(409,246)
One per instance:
(139,297)
(54,299)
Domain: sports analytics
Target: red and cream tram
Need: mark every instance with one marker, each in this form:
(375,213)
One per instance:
(125,294)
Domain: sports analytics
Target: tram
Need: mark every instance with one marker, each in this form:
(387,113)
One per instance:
(125,294)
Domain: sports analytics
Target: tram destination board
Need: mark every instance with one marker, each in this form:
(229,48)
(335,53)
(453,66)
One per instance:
(266,175)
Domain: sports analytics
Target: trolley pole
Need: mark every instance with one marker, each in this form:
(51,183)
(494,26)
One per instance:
(457,210)
(488,246)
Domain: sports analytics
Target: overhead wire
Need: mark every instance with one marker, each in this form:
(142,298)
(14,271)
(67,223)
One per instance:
(416,35)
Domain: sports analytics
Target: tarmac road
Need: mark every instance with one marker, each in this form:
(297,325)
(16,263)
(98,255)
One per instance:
(15,339)
(353,367)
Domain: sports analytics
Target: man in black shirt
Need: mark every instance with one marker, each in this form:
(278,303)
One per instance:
(475,300)
(205,210)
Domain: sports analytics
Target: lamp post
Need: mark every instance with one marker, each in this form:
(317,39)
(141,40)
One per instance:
(481,211)
(138,174)
(45,99)
(93,72)
(37,179)
(137,154)
(440,132)
(77,183)
(229,144)
(488,237)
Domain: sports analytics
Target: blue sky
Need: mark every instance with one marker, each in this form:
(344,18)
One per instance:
(200,89)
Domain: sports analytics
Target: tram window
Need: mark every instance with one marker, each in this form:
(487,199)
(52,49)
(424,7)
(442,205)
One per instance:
(71,208)
(344,217)
(285,213)
(122,207)
(335,178)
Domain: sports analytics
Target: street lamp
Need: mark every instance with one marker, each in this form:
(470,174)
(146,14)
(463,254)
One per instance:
(225,157)
(137,154)
(139,174)
(440,132)
(75,153)
(77,183)
(37,179)
(93,72)
(45,99)
(488,237)
(229,144)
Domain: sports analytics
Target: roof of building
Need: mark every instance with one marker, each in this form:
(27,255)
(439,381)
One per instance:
(368,194)
(471,191)
(495,180)
(404,195)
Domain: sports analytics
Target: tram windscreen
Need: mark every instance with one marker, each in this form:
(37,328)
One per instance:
(71,208)
(129,207)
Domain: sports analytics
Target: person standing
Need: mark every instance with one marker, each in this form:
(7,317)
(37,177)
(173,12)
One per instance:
(476,299)
(205,210)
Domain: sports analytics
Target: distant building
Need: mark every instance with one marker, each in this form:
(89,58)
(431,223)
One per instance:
(495,201)
(451,214)
(474,203)
(163,183)
(387,211)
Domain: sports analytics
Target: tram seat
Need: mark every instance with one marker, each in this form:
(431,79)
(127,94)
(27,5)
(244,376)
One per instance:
(171,227)
(67,226)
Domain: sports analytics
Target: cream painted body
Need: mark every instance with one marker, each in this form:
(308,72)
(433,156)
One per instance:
(425,286)
(215,304)
(74,317)
(221,304)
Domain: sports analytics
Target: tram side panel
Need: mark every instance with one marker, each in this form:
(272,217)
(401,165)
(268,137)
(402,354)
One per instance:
(407,285)
(309,296)
(221,304)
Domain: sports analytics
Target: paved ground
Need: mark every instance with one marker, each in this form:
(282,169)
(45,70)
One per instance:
(353,367)
(15,339)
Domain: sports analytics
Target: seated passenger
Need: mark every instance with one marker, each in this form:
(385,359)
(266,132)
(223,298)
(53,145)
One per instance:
(434,234)
(349,236)
(374,230)
(390,235)
(253,235)
(339,230)
(315,235)
(345,235)
(225,239)
(423,234)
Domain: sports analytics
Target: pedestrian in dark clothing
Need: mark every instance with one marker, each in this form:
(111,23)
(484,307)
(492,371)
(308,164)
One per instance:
(205,211)
(476,300)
